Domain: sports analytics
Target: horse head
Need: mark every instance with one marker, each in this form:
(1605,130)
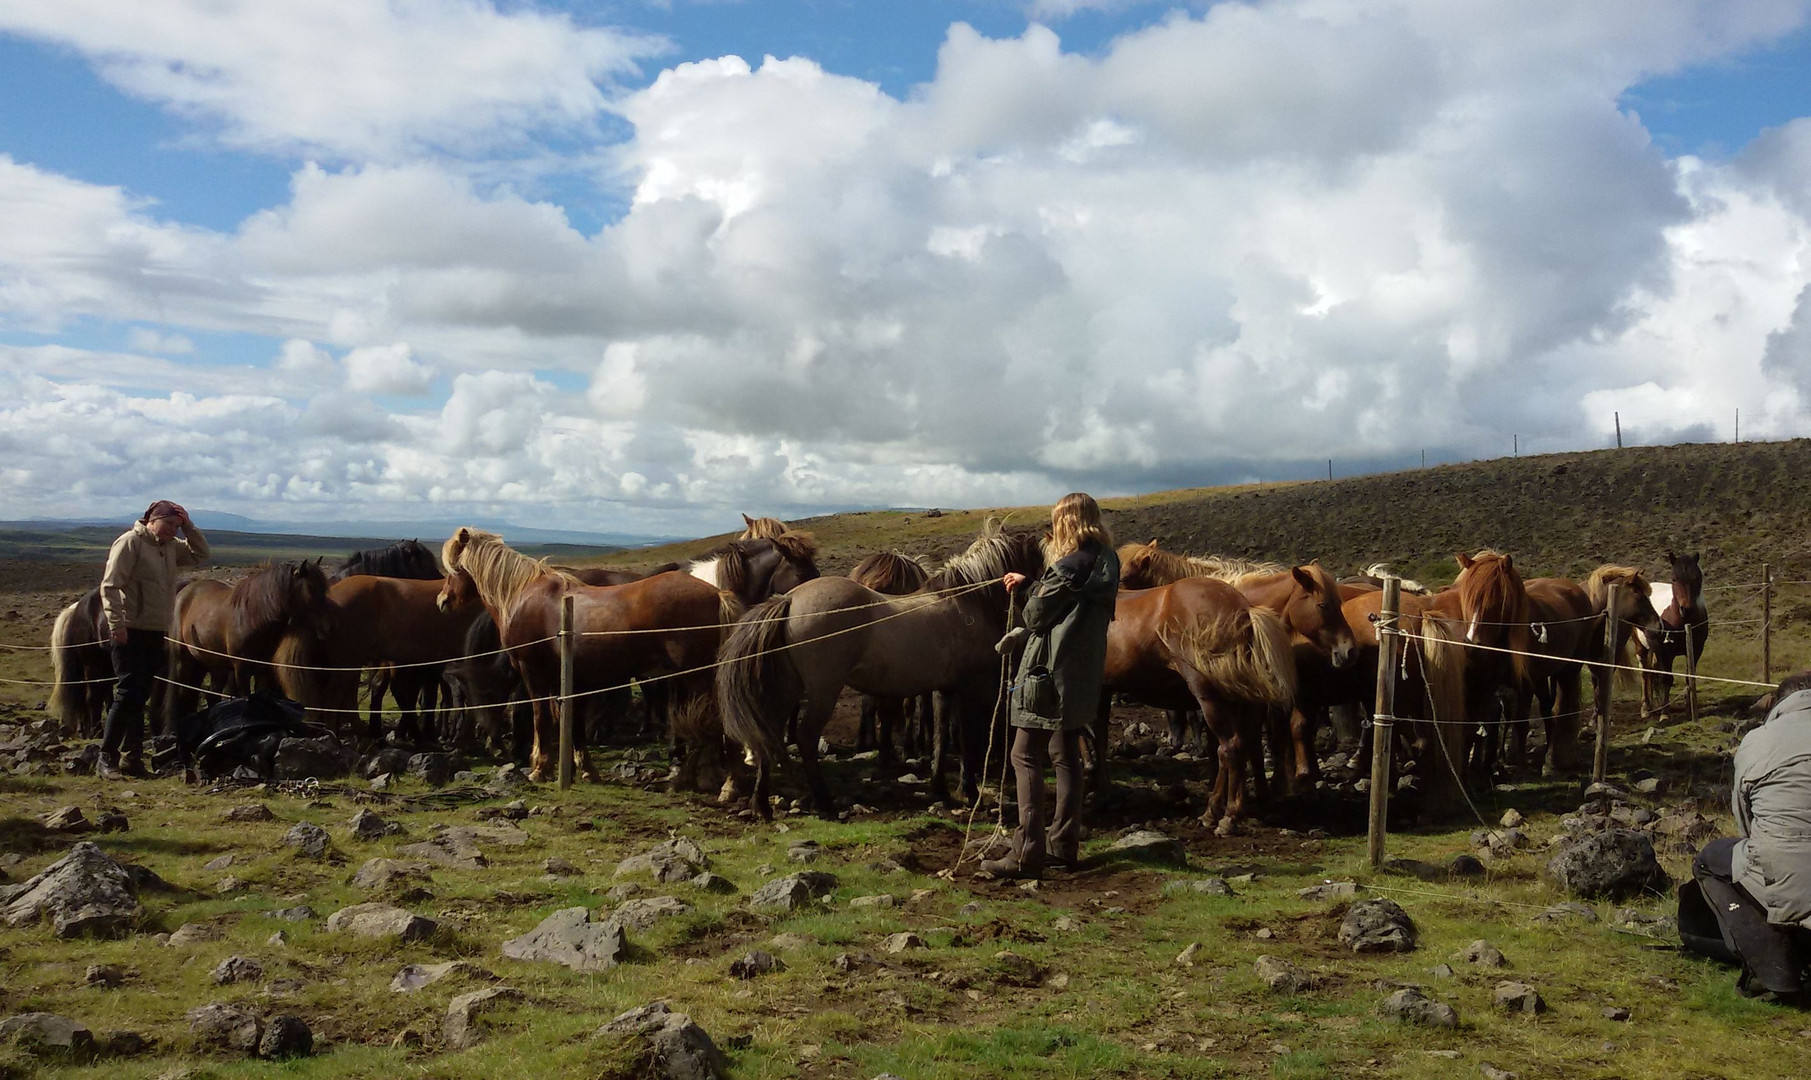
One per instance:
(457,592)
(1135,565)
(1494,603)
(1688,580)
(307,603)
(762,528)
(1314,612)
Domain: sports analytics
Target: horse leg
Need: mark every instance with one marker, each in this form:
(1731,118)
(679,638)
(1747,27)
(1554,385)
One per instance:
(1178,722)
(543,732)
(864,729)
(1563,722)
(1302,725)
(816,714)
(941,712)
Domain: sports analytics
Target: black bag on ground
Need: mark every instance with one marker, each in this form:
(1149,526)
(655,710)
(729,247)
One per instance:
(241,735)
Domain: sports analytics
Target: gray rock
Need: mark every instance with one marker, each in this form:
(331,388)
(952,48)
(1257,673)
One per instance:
(301,759)
(456,847)
(645,912)
(228,1026)
(1011,969)
(673,1047)
(277,940)
(1415,868)
(755,964)
(1465,866)
(381,874)
(627,890)
(45,1034)
(124,1044)
(1212,886)
(881,900)
(219,863)
(1149,844)
(712,883)
(388,760)
(1618,1013)
(677,859)
(1377,926)
(1483,954)
(1411,1006)
(71,820)
(382,921)
(793,891)
(1571,909)
(192,934)
(568,937)
(84,894)
(461,1028)
(299,913)
(104,976)
(805,851)
(1631,919)
(1332,890)
(1518,997)
(1491,1072)
(309,840)
(1512,819)
(1189,954)
(368,826)
(901,942)
(1441,971)
(250,812)
(286,1036)
(1281,976)
(237,969)
(1653,785)
(436,770)
(413,977)
(558,867)
(1614,863)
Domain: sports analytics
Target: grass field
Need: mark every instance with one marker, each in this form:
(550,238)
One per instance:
(1102,994)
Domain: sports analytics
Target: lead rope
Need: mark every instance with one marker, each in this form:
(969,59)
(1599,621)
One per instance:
(993,727)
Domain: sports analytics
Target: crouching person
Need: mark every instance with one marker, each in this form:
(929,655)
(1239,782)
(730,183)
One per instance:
(1749,900)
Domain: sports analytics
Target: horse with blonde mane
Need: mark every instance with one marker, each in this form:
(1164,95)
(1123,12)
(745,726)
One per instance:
(765,528)
(665,626)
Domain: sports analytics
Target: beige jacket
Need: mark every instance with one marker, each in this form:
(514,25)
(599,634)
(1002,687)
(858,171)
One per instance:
(138,588)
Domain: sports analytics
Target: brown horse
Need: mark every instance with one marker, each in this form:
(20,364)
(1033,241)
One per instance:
(895,575)
(1199,644)
(232,631)
(387,622)
(766,528)
(1488,605)
(1684,631)
(1306,597)
(831,633)
(665,625)
(81,667)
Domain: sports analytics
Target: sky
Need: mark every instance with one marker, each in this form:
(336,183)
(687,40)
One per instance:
(639,267)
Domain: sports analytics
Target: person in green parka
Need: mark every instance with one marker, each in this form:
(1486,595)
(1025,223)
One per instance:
(1057,690)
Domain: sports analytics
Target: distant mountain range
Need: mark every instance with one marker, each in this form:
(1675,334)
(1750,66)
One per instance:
(428,532)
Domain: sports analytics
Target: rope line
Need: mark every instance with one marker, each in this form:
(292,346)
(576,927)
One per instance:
(1603,666)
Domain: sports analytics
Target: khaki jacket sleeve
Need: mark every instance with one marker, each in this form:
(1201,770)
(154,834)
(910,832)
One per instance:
(195,547)
(122,559)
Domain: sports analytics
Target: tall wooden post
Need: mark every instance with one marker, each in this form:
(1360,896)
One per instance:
(1383,718)
(566,649)
(1691,675)
(1618,430)
(1606,688)
(1766,623)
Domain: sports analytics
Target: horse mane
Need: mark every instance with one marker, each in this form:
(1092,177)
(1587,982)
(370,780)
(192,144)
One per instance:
(500,572)
(1597,586)
(1491,583)
(261,599)
(765,528)
(1151,563)
(403,559)
(796,546)
(890,572)
(992,554)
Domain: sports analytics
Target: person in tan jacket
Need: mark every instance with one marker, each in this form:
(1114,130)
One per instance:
(138,591)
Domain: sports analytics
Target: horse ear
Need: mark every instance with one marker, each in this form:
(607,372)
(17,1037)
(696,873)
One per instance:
(1463,560)
(1669,556)
(1509,562)
(1304,577)
(746,520)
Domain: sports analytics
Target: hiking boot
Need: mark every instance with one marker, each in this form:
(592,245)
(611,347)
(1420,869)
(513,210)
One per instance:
(107,767)
(1008,867)
(134,766)
(1067,857)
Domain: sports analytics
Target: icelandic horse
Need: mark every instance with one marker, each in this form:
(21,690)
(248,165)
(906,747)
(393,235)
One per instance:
(895,575)
(416,689)
(1198,643)
(81,667)
(232,632)
(668,625)
(806,645)
(1566,621)
(1306,598)
(1488,604)
(1684,630)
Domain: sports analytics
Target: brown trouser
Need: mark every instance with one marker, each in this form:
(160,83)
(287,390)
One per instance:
(1029,746)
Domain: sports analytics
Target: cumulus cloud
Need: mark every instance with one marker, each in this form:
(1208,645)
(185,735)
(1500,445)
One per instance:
(1224,246)
(347,78)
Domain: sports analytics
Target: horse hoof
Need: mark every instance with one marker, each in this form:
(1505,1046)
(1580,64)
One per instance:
(1226,827)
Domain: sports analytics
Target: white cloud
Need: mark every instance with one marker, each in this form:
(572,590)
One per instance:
(147,340)
(386,369)
(347,78)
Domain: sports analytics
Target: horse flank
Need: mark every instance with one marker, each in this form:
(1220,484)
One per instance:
(1247,657)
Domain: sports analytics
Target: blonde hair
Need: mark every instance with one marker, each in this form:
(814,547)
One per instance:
(1074,520)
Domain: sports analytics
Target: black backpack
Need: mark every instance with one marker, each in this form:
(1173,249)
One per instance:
(240,736)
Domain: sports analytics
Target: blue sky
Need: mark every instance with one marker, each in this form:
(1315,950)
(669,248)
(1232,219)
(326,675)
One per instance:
(565,264)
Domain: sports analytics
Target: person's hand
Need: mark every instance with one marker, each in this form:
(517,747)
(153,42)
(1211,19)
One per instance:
(118,635)
(1012,581)
(182,518)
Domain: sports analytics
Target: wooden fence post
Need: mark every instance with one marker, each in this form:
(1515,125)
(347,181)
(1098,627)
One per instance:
(1691,675)
(566,650)
(1766,623)
(1606,689)
(1384,716)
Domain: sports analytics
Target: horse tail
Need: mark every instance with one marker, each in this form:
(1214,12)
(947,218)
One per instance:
(1443,678)
(1246,656)
(68,693)
(301,676)
(730,607)
(757,686)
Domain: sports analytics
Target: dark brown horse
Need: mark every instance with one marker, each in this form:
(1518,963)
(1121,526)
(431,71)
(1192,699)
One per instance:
(414,688)
(666,625)
(233,631)
(895,575)
(831,633)
(1684,631)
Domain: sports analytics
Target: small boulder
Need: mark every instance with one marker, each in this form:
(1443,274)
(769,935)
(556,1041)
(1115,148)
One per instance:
(250,812)
(1188,956)
(1212,886)
(755,964)
(792,892)
(319,758)
(677,859)
(712,883)
(1465,866)
(44,1034)
(901,942)
(456,847)
(1614,863)
(192,934)
(71,820)
(286,1036)
(378,875)
(236,969)
(1411,1006)
(1150,845)
(382,921)
(1571,909)
(309,840)
(1377,926)
(83,894)
(642,913)
(1483,954)
(558,867)
(1518,997)
(1281,976)
(413,977)
(1332,890)
(435,770)
(1011,969)
(671,1046)
(568,937)
(103,976)
(368,826)
(461,1029)
(881,900)
(227,1026)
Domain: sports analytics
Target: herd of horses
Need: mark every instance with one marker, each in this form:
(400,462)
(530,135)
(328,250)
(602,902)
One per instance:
(741,654)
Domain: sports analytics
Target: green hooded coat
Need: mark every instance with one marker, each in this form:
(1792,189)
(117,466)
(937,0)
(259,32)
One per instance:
(1063,667)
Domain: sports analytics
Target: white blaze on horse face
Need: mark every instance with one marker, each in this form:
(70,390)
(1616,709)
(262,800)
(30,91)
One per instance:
(1471,631)
(705,570)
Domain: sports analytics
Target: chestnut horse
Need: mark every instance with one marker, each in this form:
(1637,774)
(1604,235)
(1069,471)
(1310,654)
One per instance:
(1306,597)
(232,631)
(413,687)
(1488,605)
(668,624)
(81,668)
(831,633)
(1683,615)
(895,575)
(1198,643)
